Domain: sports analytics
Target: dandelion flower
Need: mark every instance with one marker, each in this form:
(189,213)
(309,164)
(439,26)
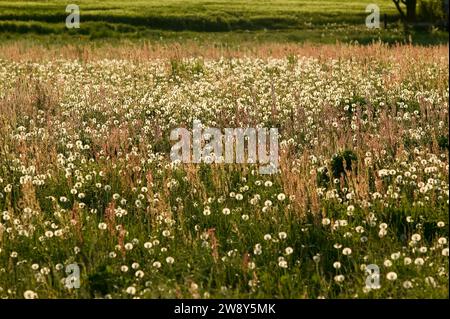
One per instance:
(391,276)
(30,294)
(346,251)
(131,290)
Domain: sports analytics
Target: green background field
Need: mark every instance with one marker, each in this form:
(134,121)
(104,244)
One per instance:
(280,20)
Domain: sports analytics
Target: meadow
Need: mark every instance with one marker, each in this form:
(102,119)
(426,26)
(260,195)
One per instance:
(86,178)
(208,21)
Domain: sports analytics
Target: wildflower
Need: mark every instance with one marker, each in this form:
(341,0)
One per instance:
(148,245)
(226,211)
(391,276)
(395,256)
(157,264)
(102,226)
(346,251)
(30,294)
(336,265)
(289,250)
(281,197)
(282,235)
(407,284)
(170,260)
(419,261)
(339,278)
(166,233)
(131,290)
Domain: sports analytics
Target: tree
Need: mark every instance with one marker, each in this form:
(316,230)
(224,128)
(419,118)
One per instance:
(411,5)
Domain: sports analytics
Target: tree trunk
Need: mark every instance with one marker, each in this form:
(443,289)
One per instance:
(411,10)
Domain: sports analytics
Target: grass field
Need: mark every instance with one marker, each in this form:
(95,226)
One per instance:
(223,21)
(89,189)
(85,176)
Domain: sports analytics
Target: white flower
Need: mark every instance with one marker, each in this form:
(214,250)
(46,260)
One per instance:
(326,221)
(407,261)
(157,264)
(131,290)
(267,237)
(337,265)
(281,197)
(170,260)
(135,265)
(339,278)
(445,252)
(128,246)
(148,245)
(419,261)
(416,237)
(124,268)
(407,284)
(346,251)
(226,211)
(166,233)
(30,294)
(139,274)
(387,263)
(442,241)
(282,235)
(283,264)
(395,256)
(289,250)
(102,226)
(391,276)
